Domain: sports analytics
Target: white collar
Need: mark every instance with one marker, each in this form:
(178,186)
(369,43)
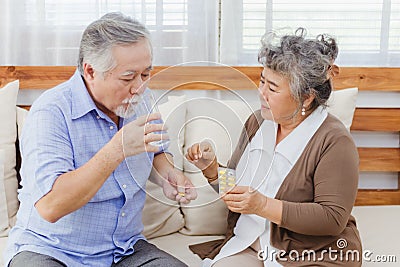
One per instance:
(293,145)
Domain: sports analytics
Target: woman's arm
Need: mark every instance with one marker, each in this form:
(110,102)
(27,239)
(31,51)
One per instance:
(335,190)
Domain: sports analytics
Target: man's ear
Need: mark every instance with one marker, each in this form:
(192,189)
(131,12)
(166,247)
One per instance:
(88,72)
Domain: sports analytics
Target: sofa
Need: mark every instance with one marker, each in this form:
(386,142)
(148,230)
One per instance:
(171,226)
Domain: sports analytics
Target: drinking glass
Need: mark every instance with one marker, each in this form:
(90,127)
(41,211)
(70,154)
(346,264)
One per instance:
(147,105)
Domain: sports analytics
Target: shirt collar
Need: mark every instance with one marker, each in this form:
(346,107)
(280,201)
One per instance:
(82,102)
(265,137)
(292,146)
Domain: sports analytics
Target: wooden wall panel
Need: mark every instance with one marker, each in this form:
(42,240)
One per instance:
(205,77)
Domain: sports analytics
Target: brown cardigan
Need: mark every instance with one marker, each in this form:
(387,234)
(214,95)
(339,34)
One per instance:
(318,195)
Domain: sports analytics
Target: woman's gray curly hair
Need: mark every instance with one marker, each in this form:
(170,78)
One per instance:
(102,35)
(305,62)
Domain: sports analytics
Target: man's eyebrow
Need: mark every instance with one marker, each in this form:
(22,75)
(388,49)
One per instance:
(132,72)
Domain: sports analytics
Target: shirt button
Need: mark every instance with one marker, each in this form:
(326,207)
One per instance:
(123,214)
(124,185)
(111,127)
(98,117)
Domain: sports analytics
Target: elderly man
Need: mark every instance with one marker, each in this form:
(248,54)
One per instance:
(87,157)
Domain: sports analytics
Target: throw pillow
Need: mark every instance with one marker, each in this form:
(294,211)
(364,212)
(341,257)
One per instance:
(8,134)
(342,104)
(3,200)
(220,122)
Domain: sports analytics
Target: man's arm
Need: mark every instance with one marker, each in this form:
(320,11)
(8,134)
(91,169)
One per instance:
(72,190)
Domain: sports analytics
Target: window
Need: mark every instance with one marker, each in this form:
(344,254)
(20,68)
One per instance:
(368,31)
(182,30)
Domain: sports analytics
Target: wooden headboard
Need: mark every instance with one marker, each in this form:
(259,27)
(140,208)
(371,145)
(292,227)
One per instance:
(246,78)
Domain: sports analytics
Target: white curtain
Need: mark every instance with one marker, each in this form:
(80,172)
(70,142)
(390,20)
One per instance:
(368,31)
(47,32)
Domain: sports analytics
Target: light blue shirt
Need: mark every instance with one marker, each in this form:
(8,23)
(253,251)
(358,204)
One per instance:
(64,129)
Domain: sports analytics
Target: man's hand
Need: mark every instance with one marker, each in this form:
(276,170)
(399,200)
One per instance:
(245,200)
(135,137)
(177,186)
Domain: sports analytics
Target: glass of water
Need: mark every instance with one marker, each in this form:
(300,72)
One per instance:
(147,105)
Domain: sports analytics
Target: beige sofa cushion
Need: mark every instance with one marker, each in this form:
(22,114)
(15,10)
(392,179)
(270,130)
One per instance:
(220,122)
(3,244)
(8,134)
(21,115)
(4,224)
(342,104)
(178,245)
(207,214)
(379,230)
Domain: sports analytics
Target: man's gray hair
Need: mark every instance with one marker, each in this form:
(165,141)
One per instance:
(103,34)
(306,63)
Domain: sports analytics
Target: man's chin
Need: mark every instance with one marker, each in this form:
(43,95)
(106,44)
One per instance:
(124,112)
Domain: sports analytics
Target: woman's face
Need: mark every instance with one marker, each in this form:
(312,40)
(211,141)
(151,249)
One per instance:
(277,103)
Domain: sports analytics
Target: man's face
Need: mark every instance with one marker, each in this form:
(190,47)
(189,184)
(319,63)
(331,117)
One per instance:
(113,90)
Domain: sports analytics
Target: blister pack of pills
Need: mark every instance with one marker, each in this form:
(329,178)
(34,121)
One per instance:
(226,179)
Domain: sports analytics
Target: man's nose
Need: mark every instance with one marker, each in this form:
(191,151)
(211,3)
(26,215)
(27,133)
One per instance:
(138,86)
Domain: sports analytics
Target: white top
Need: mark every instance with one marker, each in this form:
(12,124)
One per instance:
(264,167)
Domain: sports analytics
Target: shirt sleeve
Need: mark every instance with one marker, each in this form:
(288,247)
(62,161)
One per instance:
(164,147)
(335,190)
(46,150)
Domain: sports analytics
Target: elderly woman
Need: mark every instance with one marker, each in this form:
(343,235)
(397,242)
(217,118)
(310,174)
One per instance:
(296,167)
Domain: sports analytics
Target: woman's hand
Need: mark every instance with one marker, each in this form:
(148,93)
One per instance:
(201,155)
(245,200)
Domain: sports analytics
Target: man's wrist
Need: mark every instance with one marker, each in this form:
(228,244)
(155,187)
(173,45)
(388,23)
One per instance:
(114,150)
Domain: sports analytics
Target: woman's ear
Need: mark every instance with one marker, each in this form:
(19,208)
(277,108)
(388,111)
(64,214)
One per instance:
(307,102)
(334,71)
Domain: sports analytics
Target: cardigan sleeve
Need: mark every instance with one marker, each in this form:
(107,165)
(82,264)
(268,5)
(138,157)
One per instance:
(335,189)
